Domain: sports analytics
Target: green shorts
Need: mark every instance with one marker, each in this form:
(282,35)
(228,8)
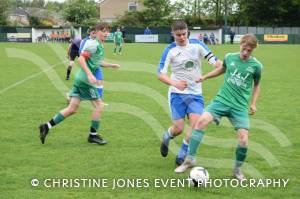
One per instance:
(118,44)
(84,93)
(238,118)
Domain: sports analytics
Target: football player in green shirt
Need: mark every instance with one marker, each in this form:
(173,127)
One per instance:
(85,86)
(118,41)
(241,79)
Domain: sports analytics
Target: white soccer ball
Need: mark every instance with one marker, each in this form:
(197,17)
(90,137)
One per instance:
(198,176)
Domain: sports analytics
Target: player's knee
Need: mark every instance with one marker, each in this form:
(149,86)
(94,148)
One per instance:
(201,124)
(243,141)
(178,129)
(99,106)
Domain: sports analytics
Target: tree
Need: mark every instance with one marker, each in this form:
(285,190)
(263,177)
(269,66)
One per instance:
(131,19)
(34,21)
(156,12)
(78,12)
(269,12)
(38,3)
(3,12)
(54,6)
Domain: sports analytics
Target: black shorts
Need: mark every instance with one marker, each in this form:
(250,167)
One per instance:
(73,54)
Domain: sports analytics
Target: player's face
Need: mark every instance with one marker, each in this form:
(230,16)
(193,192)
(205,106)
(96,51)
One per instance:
(102,35)
(180,36)
(93,34)
(245,51)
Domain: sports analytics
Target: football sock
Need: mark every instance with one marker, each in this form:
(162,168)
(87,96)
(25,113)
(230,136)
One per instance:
(94,127)
(69,71)
(167,136)
(241,153)
(115,50)
(183,150)
(195,141)
(120,49)
(55,120)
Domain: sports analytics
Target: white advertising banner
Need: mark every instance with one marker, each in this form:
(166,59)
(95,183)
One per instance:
(146,38)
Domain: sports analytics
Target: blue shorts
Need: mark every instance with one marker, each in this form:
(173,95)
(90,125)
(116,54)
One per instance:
(99,76)
(183,104)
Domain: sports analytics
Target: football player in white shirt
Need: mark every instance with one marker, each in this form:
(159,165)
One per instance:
(185,93)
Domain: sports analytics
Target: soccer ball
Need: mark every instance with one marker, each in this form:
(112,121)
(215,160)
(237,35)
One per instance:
(198,176)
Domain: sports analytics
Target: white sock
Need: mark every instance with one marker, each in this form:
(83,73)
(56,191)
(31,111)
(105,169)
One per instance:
(170,134)
(49,125)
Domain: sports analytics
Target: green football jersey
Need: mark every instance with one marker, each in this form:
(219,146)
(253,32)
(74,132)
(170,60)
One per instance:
(238,81)
(96,53)
(118,36)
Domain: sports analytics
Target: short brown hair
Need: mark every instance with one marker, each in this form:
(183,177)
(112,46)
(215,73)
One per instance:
(249,40)
(102,26)
(178,25)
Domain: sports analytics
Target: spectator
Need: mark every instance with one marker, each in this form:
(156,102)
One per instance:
(200,37)
(231,34)
(147,31)
(205,38)
(123,33)
(212,38)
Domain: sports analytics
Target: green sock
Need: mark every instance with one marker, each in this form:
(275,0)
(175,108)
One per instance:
(115,50)
(195,140)
(120,49)
(241,153)
(95,125)
(58,118)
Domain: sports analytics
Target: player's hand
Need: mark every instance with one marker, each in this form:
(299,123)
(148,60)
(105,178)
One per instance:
(181,85)
(116,66)
(201,79)
(252,109)
(92,79)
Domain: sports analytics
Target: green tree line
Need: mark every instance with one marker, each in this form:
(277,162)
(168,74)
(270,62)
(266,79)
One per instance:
(162,12)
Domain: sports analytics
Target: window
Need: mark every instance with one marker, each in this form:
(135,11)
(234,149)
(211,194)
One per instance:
(132,6)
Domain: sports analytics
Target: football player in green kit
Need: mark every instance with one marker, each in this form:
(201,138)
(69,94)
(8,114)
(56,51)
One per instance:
(118,41)
(85,87)
(241,79)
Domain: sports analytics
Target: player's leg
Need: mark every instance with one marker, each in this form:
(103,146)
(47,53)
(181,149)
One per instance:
(71,63)
(59,117)
(195,140)
(175,130)
(240,120)
(94,137)
(214,111)
(241,153)
(178,113)
(183,151)
(115,49)
(195,107)
(120,49)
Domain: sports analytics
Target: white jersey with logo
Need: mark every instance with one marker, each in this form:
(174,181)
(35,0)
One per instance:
(185,64)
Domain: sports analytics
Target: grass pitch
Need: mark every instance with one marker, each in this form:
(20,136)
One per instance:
(32,89)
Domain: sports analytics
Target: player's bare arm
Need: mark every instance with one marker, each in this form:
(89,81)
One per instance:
(107,65)
(181,85)
(214,73)
(255,94)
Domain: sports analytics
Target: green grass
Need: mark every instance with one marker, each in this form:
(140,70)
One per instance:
(133,123)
